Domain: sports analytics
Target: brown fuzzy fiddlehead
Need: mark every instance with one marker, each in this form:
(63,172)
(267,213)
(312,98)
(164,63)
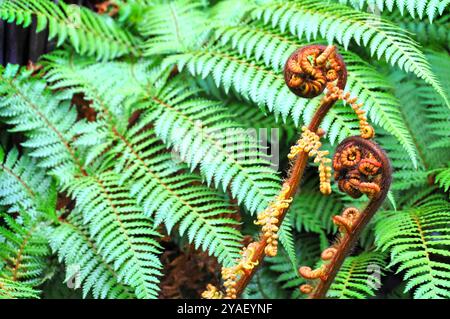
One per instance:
(361,168)
(308,71)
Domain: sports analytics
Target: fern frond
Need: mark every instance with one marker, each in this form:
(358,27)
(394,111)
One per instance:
(48,120)
(72,242)
(443,179)
(264,85)
(429,8)
(173,27)
(418,241)
(122,233)
(15,290)
(23,185)
(426,33)
(23,250)
(89,33)
(341,23)
(173,196)
(203,131)
(205,134)
(359,277)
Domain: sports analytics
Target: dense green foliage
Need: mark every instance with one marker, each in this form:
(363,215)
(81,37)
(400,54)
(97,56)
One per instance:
(177,89)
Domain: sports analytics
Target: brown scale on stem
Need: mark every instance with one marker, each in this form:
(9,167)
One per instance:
(308,71)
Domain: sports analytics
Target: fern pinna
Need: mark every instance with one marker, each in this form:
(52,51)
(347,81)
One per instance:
(140,138)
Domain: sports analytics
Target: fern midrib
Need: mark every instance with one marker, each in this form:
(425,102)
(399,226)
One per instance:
(18,259)
(20,180)
(175,21)
(347,279)
(122,227)
(166,187)
(416,219)
(91,245)
(47,122)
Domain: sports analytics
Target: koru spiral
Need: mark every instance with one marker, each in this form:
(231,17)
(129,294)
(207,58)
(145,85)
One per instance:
(310,68)
(360,167)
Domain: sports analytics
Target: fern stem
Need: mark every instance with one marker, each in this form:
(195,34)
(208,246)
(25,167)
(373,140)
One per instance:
(297,171)
(350,238)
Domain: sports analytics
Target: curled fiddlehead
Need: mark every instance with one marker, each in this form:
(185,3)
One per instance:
(310,68)
(361,167)
(308,72)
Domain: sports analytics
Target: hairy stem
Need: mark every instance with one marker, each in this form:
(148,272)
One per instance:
(350,238)
(298,168)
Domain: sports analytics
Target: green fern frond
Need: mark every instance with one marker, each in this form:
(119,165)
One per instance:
(23,250)
(359,277)
(23,185)
(430,8)
(202,131)
(112,87)
(341,23)
(173,196)
(443,179)
(426,33)
(173,27)
(89,33)
(417,239)
(72,241)
(264,85)
(207,136)
(48,120)
(15,290)
(122,233)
